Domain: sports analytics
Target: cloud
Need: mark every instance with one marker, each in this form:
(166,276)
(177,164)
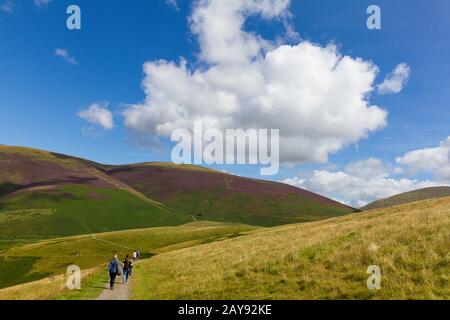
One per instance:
(317,97)
(98,114)
(173,4)
(359,183)
(7,6)
(396,80)
(93,132)
(430,160)
(66,56)
(41,3)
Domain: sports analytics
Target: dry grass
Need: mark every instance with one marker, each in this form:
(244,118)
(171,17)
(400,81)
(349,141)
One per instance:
(45,289)
(319,260)
(409,197)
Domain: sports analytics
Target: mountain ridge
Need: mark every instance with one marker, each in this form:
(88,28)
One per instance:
(60,192)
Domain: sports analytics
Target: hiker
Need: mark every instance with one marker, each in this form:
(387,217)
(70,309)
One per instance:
(131,268)
(134,255)
(114,270)
(127,265)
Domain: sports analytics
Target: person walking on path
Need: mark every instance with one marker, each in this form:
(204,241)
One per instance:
(131,267)
(127,265)
(114,270)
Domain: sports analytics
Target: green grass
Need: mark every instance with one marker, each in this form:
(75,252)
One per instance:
(47,207)
(6,188)
(13,268)
(91,287)
(318,260)
(78,209)
(253,209)
(35,261)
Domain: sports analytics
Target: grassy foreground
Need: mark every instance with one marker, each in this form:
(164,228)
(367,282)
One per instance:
(318,260)
(32,262)
(55,288)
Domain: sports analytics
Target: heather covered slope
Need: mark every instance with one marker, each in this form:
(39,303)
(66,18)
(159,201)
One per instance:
(212,195)
(408,197)
(45,195)
(29,169)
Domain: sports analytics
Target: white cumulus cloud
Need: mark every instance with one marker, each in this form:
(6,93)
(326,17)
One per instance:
(318,98)
(98,114)
(396,80)
(430,160)
(359,183)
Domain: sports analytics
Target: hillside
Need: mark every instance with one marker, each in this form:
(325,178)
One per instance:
(212,195)
(31,262)
(47,195)
(408,197)
(318,260)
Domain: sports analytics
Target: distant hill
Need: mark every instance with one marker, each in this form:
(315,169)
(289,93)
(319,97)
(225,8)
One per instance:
(46,195)
(408,197)
(212,195)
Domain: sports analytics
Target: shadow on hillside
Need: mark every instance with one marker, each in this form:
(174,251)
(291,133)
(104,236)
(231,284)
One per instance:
(17,270)
(8,188)
(120,169)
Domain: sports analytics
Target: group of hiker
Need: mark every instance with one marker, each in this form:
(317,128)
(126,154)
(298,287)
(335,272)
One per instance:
(124,269)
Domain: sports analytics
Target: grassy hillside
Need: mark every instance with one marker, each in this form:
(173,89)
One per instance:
(46,195)
(319,260)
(78,209)
(408,197)
(31,262)
(212,195)
(54,287)
(26,168)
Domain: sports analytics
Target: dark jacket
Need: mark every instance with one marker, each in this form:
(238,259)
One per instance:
(113,266)
(127,264)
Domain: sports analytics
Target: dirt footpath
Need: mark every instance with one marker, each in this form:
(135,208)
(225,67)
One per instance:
(120,292)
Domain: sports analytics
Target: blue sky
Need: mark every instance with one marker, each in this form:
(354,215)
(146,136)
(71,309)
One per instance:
(41,93)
